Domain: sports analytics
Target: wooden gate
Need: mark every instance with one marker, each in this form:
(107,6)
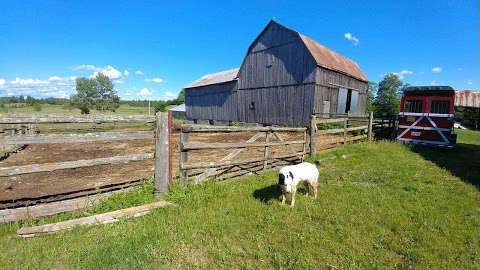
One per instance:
(279,146)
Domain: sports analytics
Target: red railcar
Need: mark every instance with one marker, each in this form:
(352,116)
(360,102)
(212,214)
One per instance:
(427,116)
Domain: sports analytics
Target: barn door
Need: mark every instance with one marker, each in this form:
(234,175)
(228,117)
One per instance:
(353,102)
(342,100)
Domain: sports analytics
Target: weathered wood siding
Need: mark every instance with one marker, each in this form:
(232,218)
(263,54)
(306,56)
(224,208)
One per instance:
(328,83)
(212,102)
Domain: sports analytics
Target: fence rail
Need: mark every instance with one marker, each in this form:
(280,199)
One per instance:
(350,124)
(65,118)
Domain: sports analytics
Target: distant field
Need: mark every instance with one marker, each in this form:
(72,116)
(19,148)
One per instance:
(124,109)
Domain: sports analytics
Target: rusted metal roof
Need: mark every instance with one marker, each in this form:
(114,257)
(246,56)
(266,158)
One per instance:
(214,78)
(332,60)
(467,98)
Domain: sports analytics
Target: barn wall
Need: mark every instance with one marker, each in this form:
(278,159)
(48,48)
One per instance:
(328,82)
(212,102)
(283,105)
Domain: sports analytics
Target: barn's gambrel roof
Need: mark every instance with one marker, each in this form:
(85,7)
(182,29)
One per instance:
(323,56)
(214,78)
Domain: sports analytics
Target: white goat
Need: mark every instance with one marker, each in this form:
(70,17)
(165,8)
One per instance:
(290,176)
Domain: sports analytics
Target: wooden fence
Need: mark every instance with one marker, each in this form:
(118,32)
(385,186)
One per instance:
(339,129)
(162,135)
(231,165)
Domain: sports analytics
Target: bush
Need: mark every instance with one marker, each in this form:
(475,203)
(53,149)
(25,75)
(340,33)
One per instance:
(37,107)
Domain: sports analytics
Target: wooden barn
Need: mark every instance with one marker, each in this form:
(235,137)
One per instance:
(284,79)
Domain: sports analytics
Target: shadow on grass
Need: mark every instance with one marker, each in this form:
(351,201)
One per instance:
(267,194)
(462,161)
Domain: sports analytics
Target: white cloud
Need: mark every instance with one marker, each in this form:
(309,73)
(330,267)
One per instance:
(145,92)
(138,73)
(436,69)
(54,79)
(109,71)
(154,80)
(403,73)
(2,81)
(352,38)
(469,82)
(85,67)
(126,73)
(119,81)
(29,81)
(170,94)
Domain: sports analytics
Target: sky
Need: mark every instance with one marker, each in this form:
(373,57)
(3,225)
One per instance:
(152,49)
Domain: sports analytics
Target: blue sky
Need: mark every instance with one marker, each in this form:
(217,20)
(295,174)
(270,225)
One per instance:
(152,49)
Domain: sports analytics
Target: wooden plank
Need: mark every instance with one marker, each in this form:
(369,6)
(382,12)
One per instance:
(206,128)
(183,156)
(91,220)
(200,165)
(53,208)
(341,130)
(279,138)
(201,146)
(370,123)
(313,136)
(161,155)
(330,120)
(76,137)
(266,151)
(48,167)
(66,118)
(345,127)
(230,156)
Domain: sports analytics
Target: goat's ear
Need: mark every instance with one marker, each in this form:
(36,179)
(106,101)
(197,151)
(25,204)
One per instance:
(291,174)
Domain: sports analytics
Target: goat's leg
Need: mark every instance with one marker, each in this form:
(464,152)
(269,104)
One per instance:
(294,192)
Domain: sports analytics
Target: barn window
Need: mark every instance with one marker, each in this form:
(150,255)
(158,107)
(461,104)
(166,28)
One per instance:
(347,101)
(440,106)
(414,106)
(252,105)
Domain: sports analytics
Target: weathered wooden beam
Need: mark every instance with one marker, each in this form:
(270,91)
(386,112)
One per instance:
(200,165)
(266,150)
(183,156)
(48,167)
(207,128)
(313,135)
(370,124)
(341,130)
(91,220)
(341,140)
(66,118)
(330,120)
(76,137)
(201,146)
(53,208)
(162,158)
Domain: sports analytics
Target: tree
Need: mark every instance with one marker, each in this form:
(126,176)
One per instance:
(95,93)
(386,101)
(372,89)
(181,97)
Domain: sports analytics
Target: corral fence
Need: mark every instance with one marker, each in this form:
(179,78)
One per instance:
(385,127)
(331,130)
(22,129)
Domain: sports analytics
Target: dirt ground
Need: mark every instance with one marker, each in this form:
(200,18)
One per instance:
(71,180)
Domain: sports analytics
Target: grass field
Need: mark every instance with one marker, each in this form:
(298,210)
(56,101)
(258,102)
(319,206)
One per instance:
(124,109)
(385,206)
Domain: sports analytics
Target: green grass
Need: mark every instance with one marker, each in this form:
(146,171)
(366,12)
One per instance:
(385,206)
(124,109)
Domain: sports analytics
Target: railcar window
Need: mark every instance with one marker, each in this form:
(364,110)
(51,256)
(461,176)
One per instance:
(440,106)
(414,106)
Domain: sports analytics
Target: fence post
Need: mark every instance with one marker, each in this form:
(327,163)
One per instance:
(345,126)
(370,124)
(162,158)
(266,152)
(313,135)
(183,156)
(304,149)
